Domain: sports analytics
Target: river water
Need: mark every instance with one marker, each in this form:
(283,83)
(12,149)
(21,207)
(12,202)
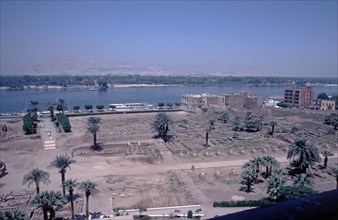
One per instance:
(16,101)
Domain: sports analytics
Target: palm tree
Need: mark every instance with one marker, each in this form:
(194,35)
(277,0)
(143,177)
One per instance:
(94,127)
(87,187)
(275,182)
(36,176)
(326,154)
(269,163)
(49,202)
(51,107)
(223,117)
(248,175)
(61,105)
(33,109)
(303,180)
(161,125)
(273,124)
(70,185)
(303,155)
(256,162)
(334,172)
(209,130)
(62,162)
(16,214)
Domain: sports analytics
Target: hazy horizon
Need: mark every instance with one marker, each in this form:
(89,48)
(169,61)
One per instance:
(244,38)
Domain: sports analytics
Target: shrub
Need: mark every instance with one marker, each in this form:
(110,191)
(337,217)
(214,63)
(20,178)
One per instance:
(88,106)
(244,203)
(189,215)
(161,104)
(293,130)
(64,121)
(28,124)
(100,107)
(293,192)
(76,107)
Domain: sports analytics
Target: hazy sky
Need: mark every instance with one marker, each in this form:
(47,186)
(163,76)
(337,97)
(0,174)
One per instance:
(290,38)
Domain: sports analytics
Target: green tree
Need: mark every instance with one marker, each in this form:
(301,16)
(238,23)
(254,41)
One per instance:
(275,182)
(270,164)
(141,209)
(70,185)
(302,155)
(223,117)
(16,214)
(273,124)
(326,154)
(88,107)
(36,176)
(237,126)
(93,124)
(51,107)
(303,180)
(61,105)
(161,125)
(49,202)
(99,107)
(170,105)
(256,162)
(248,175)
(210,128)
(334,172)
(323,96)
(33,109)
(76,108)
(332,119)
(161,105)
(62,162)
(88,187)
(253,123)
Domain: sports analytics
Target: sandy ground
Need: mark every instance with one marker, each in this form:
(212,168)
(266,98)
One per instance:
(137,169)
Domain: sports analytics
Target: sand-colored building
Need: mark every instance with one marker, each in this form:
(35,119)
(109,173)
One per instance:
(327,105)
(240,101)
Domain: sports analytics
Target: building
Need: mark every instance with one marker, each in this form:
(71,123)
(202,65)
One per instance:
(240,101)
(299,97)
(327,105)
(191,102)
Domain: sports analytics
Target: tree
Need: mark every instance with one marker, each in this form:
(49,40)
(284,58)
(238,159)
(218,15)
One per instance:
(61,105)
(141,209)
(161,105)
(326,154)
(36,176)
(62,162)
(88,107)
(323,96)
(223,117)
(170,105)
(76,108)
(161,125)
(99,107)
(256,162)
(303,155)
(332,119)
(51,107)
(33,109)
(253,123)
(273,124)
(16,214)
(93,124)
(334,172)
(248,175)
(270,163)
(237,126)
(208,131)
(275,182)
(70,185)
(303,180)
(87,187)
(49,202)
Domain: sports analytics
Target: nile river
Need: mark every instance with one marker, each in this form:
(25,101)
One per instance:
(16,101)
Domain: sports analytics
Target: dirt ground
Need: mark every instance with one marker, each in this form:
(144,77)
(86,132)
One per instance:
(135,169)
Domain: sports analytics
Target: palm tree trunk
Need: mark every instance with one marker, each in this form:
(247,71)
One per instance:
(248,184)
(266,172)
(45,214)
(71,203)
(37,187)
(337,182)
(325,162)
(206,138)
(52,214)
(273,129)
(94,136)
(63,174)
(87,207)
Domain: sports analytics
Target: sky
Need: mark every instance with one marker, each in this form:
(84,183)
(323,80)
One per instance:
(281,38)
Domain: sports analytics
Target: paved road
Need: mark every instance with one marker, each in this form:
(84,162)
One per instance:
(48,134)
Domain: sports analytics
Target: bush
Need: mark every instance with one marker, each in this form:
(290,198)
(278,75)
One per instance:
(100,107)
(88,106)
(28,124)
(64,121)
(293,192)
(76,107)
(189,215)
(245,203)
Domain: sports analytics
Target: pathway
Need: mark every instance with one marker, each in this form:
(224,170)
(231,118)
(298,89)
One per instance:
(48,134)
